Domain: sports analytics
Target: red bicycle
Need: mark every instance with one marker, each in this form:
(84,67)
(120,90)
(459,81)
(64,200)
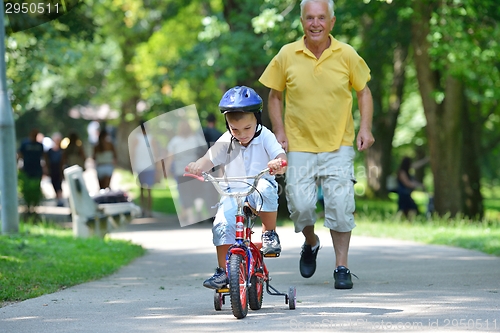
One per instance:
(247,273)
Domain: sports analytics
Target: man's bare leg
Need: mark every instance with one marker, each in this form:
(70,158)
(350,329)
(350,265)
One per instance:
(341,274)
(341,241)
(311,238)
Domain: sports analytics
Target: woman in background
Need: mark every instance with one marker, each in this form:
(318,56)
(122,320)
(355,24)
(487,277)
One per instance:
(406,185)
(74,154)
(54,162)
(105,159)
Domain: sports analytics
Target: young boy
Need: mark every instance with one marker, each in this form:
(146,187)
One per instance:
(244,150)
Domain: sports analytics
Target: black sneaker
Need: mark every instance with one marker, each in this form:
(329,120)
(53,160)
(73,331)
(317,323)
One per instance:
(271,242)
(342,276)
(218,280)
(307,263)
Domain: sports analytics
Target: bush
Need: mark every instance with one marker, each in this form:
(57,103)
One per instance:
(30,191)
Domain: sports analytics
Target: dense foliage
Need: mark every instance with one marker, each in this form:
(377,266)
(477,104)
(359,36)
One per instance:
(161,55)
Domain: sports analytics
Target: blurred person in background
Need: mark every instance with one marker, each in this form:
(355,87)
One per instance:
(73,153)
(105,159)
(54,162)
(210,132)
(141,150)
(406,185)
(31,153)
(186,146)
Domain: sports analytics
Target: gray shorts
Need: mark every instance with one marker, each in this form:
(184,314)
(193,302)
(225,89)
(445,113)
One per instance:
(334,171)
(224,226)
(104,170)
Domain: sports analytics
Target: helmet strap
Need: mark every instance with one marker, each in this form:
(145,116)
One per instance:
(259,124)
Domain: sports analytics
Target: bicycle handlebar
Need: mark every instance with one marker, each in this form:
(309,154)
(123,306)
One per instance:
(206,177)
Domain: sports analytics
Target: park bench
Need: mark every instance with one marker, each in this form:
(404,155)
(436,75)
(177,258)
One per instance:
(90,218)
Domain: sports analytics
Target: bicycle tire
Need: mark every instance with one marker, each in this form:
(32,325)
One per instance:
(255,293)
(292,298)
(238,291)
(218,301)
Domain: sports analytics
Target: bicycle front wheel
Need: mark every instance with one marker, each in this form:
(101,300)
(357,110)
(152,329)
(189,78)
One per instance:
(255,292)
(238,285)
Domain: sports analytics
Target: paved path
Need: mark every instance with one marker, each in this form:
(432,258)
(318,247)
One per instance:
(402,286)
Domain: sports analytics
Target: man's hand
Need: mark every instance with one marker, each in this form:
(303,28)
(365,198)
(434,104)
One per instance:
(365,137)
(275,108)
(282,139)
(364,140)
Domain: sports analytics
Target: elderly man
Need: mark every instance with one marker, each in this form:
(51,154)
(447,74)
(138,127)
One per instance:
(318,73)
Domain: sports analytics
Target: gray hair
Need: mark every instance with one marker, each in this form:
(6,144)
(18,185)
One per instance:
(328,2)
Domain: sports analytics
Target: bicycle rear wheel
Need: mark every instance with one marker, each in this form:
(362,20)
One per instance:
(238,285)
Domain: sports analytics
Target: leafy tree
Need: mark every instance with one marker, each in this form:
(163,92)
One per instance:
(454,44)
(38,60)
(385,49)
(166,54)
(51,68)
(126,26)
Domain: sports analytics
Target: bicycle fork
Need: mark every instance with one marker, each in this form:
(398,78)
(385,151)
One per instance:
(241,246)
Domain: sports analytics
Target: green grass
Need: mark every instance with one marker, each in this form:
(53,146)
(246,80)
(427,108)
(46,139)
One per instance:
(163,202)
(162,198)
(378,218)
(484,237)
(42,259)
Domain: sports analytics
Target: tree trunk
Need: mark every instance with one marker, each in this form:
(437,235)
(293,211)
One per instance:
(379,156)
(123,130)
(473,200)
(231,11)
(444,128)
(128,115)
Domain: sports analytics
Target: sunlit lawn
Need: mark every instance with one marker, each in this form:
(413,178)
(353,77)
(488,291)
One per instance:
(45,258)
(378,218)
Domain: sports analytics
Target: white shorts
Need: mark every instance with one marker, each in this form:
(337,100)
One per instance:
(335,173)
(224,226)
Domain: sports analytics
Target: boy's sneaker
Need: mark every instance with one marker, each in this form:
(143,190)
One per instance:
(218,280)
(271,242)
(342,276)
(307,263)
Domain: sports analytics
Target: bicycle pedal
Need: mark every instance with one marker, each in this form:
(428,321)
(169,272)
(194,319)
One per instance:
(271,255)
(223,290)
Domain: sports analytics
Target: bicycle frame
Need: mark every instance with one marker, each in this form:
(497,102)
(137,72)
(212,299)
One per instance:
(245,247)
(243,244)
(241,289)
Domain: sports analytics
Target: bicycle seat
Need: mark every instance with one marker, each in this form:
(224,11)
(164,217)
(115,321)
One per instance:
(249,211)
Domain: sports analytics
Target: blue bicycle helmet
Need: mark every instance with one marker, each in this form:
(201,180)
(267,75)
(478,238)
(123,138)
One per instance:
(240,99)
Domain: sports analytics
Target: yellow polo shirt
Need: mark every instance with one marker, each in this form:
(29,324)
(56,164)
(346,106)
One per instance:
(318,114)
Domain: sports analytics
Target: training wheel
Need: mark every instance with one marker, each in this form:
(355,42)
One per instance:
(292,298)
(218,300)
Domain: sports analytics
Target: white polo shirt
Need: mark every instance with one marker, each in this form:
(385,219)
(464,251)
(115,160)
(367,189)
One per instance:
(245,161)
